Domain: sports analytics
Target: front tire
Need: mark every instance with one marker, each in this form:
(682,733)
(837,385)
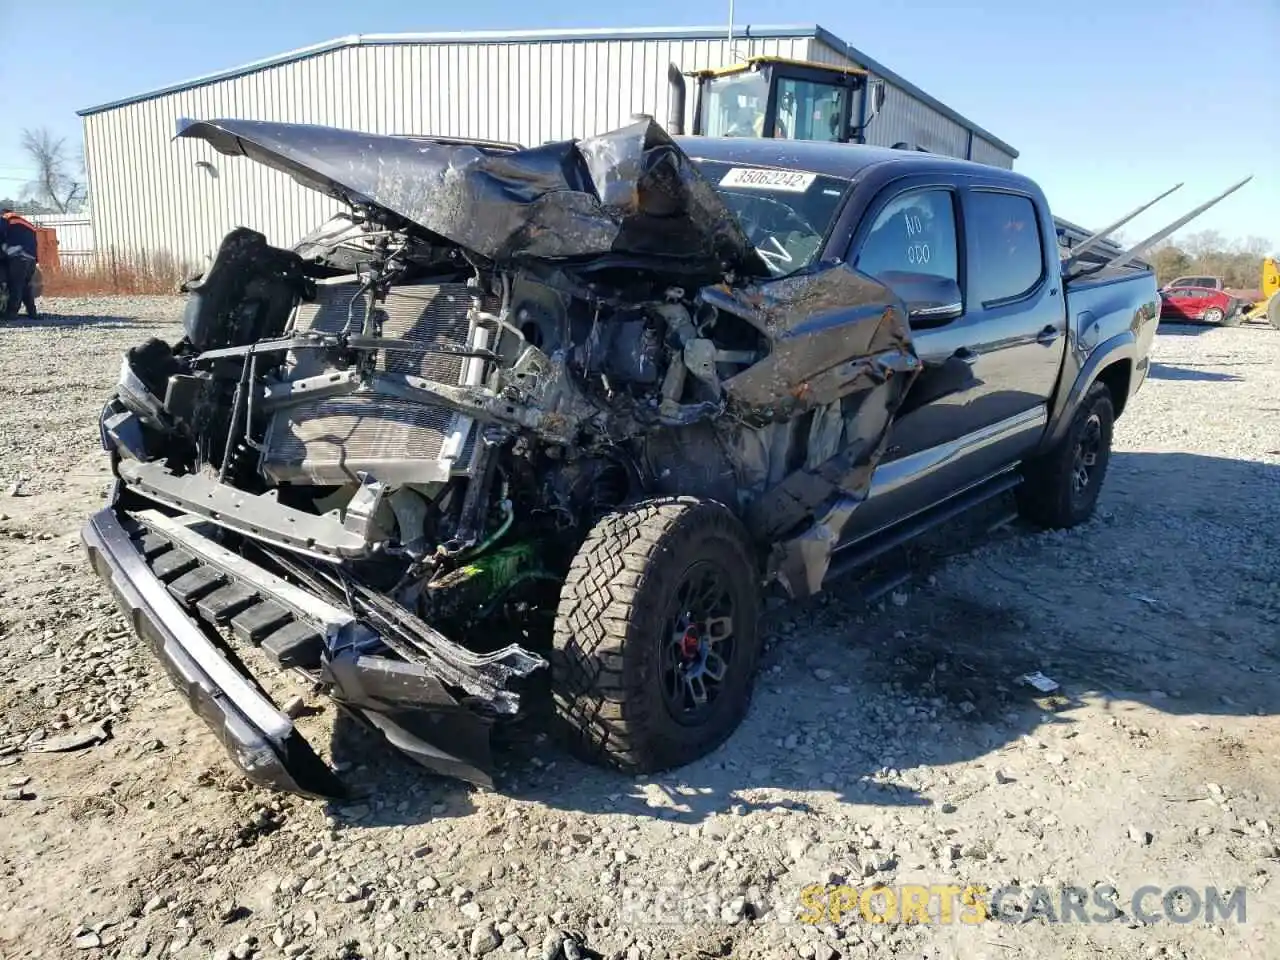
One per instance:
(1060,489)
(657,636)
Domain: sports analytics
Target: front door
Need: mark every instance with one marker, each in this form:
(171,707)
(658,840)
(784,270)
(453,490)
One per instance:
(1186,303)
(982,399)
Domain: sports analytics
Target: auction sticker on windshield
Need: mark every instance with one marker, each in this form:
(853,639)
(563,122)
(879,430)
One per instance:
(792,181)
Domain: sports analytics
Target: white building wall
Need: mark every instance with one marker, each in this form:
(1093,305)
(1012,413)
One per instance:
(984,151)
(153,194)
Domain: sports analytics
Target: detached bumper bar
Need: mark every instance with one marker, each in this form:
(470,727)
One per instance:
(180,589)
(260,739)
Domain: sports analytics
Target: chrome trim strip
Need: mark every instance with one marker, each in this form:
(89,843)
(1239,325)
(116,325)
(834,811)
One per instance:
(897,473)
(944,308)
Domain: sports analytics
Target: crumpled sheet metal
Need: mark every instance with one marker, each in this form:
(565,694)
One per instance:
(841,347)
(832,332)
(629,192)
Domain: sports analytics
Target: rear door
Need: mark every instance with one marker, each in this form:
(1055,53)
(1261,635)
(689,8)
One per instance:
(1015,304)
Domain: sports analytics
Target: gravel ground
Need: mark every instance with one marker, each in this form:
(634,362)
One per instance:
(891,745)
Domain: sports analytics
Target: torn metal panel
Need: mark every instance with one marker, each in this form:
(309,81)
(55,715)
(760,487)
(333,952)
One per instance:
(833,332)
(416,714)
(630,192)
(261,517)
(841,349)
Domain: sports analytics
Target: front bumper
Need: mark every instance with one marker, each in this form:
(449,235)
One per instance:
(173,606)
(260,739)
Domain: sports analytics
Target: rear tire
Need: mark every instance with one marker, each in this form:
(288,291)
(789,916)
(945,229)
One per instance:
(1060,488)
(1214,315)
(659,610)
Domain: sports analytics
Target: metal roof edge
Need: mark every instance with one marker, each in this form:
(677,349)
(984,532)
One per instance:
(744,31)
(231,73)
(880,70)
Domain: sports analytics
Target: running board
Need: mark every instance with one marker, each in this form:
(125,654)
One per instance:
(859,553)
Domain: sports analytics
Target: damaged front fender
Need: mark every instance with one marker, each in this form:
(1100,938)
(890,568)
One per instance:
(832,332)
(841,363)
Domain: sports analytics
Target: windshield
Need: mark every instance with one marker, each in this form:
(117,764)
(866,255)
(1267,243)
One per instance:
(786,213)
(734,105)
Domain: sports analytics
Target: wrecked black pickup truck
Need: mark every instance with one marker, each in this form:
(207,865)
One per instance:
(545,423)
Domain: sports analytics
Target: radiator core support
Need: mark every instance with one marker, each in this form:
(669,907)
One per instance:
(332,440)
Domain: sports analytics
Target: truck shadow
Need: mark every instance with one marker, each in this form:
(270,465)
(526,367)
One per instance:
(1184,328)
(1163,371)
(45,320)
(869,705)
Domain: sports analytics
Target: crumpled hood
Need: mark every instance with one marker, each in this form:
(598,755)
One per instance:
(630,192)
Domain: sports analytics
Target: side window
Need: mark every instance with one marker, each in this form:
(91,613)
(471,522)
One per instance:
(913,241)
(809,111)
(1006,258)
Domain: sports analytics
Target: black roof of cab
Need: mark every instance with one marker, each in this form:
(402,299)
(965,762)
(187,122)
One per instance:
(869,169)
(846,160)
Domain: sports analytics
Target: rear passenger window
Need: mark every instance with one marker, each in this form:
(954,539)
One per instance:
(913,239)
(1006,259)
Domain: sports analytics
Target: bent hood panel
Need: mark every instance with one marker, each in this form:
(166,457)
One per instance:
(630,191)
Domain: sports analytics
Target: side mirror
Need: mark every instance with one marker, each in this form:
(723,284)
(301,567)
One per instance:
(875,98)
(930,300)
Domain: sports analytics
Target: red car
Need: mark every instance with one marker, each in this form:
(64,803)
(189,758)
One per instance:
(1199,303)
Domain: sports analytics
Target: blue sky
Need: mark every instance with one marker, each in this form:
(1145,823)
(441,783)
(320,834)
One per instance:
(1106,104)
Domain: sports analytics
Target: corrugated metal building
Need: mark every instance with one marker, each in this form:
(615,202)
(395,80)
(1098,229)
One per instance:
(151,194)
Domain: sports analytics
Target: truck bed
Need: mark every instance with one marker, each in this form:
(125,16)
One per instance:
(1071,235)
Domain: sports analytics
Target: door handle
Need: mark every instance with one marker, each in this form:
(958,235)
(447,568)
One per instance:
(965,355)
(1048,335)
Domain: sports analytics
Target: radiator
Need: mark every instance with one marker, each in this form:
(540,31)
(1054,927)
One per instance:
(425,313)
(331,440)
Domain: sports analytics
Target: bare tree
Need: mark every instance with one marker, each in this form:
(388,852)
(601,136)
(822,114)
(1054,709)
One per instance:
(1254,246)
(1170,262)
(1204,242)
(54,182)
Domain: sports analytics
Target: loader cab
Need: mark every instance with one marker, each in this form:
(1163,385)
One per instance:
(781,99)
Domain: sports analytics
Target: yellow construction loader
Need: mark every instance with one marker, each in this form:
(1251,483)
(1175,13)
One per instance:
(1268,308)
(777,97)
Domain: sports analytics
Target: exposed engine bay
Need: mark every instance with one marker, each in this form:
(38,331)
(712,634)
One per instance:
(417,414)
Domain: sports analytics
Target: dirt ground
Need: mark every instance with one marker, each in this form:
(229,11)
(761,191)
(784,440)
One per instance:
(890,745)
